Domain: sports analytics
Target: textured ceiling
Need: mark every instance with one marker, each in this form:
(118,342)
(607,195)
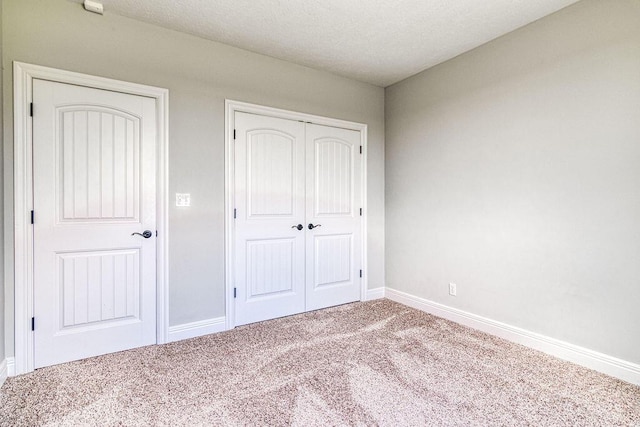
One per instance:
(375,41)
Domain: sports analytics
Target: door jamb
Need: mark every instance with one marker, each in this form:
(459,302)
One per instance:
(23,75)
(231,107)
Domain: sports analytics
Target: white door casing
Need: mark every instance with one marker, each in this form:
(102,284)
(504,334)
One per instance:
(94,186)
(286,173)
(334,200)
(24,76)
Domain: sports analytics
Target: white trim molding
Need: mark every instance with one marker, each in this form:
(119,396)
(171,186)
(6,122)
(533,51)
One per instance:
(376,293)
(197,329)
(231,107)
(23,75)
(604,363)
(11,366)
(3,371)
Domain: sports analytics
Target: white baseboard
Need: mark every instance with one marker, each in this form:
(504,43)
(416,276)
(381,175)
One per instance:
(11,366)
(609,365)
(3,371)
(196,329)
(376,293)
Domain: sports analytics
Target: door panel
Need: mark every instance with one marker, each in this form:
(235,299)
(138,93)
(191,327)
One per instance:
(270,264)
(333,255)
(99,286)
(333,263)
(270,170)
(99,156)
(333,175)
(269,200)
(94,185)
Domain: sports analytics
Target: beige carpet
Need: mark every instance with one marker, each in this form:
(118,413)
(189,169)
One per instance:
(374,363)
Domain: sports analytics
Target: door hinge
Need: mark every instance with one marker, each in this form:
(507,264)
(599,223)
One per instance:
(360,211)
(156,233)
(234,292)
(234,134)
(33,323)
(361,149)
(31,109)
(32,217)
(360,273)
(234,213)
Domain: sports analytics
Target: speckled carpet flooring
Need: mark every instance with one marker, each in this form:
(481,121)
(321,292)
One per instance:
(373,363)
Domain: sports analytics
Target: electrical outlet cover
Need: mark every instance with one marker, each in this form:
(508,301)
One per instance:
(452,289)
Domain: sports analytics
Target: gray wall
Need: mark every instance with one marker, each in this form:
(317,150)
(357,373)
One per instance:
(199,75)
(2,299)
(514,171)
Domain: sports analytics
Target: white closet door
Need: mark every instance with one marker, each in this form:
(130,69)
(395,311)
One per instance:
(94,185)
(269,203)
(333,192)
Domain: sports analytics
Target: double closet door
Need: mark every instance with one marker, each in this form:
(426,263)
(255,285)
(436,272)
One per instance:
(298,223)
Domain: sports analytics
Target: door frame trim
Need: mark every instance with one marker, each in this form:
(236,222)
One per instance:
(231,107)
(23,75)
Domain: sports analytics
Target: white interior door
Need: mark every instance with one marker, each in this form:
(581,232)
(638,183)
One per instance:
(290,175)
(333,254)
(94,160)
(269,205)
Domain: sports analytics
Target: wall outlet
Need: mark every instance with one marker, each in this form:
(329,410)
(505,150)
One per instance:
(183,199)
(453,289)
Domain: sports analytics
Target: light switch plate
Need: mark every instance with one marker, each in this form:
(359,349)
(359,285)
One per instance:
(183,199)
